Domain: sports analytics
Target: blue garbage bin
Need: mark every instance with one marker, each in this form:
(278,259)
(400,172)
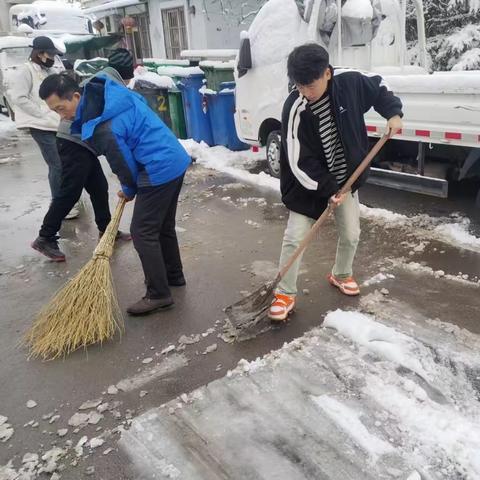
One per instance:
(221,109)
(194,104)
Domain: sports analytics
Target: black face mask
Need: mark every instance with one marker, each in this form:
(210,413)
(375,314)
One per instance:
(48,63)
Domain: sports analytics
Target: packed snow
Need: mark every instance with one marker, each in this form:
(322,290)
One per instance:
(363,397)
(276,30)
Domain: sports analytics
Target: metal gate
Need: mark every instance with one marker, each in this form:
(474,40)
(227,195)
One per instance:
(174,31)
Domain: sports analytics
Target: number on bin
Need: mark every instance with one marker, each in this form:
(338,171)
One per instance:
(162,104)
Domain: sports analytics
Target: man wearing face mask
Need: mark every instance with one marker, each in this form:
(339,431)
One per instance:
(32,113)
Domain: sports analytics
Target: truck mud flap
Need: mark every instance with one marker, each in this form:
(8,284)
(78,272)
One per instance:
(408,182)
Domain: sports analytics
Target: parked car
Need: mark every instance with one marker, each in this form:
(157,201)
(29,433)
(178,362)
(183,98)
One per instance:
(14,51)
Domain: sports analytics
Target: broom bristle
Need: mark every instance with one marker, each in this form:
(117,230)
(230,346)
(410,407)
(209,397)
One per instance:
(85,311)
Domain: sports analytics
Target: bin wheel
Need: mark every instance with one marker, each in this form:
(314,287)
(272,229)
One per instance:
(273,153)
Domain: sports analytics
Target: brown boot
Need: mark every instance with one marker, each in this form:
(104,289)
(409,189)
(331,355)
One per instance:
(149,305)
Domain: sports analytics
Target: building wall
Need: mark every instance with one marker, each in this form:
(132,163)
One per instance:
(208,27)
(4,7)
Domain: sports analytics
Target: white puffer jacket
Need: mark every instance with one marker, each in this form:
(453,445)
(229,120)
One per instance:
(30,110)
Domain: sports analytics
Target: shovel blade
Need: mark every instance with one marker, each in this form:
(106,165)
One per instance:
(252,309)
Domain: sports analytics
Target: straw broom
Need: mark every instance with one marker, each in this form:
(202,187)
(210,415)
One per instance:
(85,311)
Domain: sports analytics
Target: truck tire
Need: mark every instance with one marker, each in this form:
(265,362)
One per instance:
(273,153)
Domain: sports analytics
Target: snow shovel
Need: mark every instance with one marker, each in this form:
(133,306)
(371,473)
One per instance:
(250,310)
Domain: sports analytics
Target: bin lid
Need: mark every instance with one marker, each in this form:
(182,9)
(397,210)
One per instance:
(227,87)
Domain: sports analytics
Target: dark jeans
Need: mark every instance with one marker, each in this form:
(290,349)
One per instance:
(47,142)
(154,236)
(80,169)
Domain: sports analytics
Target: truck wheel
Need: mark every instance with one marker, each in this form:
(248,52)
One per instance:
(273,153)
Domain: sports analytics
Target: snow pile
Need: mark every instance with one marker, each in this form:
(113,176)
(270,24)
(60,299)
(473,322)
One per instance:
(336,403)
(374,337)
(357,9)
(218,64)
(6,126)
(276,30)
(232,163)
(452,230)
(179,71)
(378,278)
(144,78)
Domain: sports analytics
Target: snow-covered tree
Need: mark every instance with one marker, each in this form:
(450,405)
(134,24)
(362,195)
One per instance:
(453,33)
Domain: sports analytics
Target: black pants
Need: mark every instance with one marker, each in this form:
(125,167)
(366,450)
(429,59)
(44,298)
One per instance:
(80,169)
(154,236)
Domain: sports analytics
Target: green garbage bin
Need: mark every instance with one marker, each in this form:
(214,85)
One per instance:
(217,73)
(177,114)
(151,64)
(84,69)
(157,99)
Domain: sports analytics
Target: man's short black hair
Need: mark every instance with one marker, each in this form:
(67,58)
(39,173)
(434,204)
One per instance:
(60,84)
(307,63)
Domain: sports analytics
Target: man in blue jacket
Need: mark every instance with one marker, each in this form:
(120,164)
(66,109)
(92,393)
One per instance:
(149,162)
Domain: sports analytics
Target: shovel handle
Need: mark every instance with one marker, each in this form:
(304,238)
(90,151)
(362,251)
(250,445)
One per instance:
(346,188)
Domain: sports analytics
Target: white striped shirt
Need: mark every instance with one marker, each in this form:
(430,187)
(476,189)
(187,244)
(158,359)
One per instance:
(331,142)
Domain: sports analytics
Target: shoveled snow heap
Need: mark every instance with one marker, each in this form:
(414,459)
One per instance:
(452,230)
(391,398)
(142,77)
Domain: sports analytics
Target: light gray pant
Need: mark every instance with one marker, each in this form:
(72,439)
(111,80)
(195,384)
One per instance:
(347,219)
(47,142)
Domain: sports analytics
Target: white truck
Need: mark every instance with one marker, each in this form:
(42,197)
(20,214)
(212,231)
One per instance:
(441,110)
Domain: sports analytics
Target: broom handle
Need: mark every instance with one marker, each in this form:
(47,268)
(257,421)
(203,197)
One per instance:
(105,245)
(346,188)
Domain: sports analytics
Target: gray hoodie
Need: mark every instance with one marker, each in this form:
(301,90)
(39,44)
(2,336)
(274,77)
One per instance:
(64,130)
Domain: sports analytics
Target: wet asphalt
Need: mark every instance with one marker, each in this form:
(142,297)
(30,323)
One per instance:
(229,247)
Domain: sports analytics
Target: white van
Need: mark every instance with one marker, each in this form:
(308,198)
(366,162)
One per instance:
(14,51)
(49,17)
(441,109)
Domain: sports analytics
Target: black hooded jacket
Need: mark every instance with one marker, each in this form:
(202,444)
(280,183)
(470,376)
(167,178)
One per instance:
(305,180)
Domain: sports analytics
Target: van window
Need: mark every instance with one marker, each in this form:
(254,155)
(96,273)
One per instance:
(15,56)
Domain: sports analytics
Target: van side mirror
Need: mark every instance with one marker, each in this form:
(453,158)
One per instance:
(244,57)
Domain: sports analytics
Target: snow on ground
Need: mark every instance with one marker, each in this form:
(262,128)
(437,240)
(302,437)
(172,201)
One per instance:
(453,230)
(361,398)
(6,126)
(232,163)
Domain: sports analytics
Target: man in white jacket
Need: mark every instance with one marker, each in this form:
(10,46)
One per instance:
(32,113)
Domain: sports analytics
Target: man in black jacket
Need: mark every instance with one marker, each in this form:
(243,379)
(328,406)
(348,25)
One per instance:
(324,139)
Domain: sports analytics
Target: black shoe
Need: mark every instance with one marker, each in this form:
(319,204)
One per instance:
(177,281)
(149,305)
(49,248)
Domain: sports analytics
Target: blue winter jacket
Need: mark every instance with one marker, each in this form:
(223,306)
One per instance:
(139,147)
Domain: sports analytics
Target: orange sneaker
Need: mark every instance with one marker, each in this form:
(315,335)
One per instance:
(281,307)
(348,286)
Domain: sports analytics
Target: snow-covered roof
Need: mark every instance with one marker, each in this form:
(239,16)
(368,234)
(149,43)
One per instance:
(12,42)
